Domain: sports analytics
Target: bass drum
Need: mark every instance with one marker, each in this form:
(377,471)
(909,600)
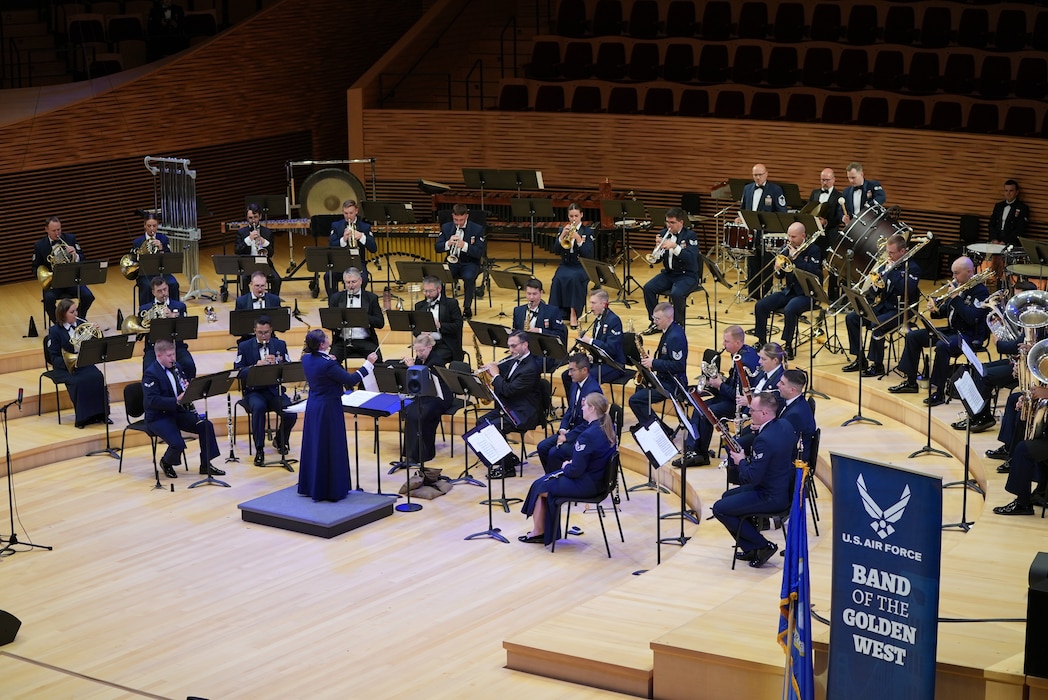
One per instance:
(324,191)
(863,236)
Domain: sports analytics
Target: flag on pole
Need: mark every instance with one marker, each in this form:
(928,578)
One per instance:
(794,605)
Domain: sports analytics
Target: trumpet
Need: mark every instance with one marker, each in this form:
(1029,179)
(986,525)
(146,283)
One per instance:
(659,251)
(567,236)
(455,249)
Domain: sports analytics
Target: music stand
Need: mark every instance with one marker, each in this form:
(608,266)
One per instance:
(684,513)
(929,351)
(549,347)
(75,274)
(337,319)
(491,334)
(653,383)
(414,321)
(242,321)
(484,178)
(812,287)
(491,448)
(719,278)
(533,208)
(603,275)
(392,379)
(510,280)
(240,265)
(177,329)
(417,270)
(160,264)
(655,448)
(973,403)
(388,212)
(375,405)
(331,261)
(468,386)
(94,351)
(276,375)
(628,212)
(862,307)
(202,388)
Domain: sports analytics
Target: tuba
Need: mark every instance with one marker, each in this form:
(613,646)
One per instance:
(1036,366)
(79,334)
(59,256)
(129,261)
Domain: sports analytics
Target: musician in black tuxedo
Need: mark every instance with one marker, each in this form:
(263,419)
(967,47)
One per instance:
(1010,217)
(558,448)
(264,349)
(515,382)
(422,417)
(681,268)
(792,300)
(43,250)
(764,475)
(669,360)
(901,285)
(257,297)
(172,308)
(828,196)
(356,342)
(446,316)
(567,291)
(86,385)
(725,398)
(536,316)
(158,243)
(468,237)
(605,333)
(163,386)
(759,195)
(353,233)
(258,240)
(861,193)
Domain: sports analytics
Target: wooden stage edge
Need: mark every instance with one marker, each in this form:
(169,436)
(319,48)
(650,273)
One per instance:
(692,628)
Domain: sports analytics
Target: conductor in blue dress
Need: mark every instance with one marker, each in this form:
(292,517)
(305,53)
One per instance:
(355,235)
(582,475)
(261,350)
(163,386)
(764,474)
(158,243)
(324,466)
(570,281)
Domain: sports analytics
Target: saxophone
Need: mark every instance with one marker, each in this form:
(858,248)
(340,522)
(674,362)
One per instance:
(481,374)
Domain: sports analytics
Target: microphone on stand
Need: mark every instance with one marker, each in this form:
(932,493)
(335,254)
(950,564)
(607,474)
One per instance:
(20,393)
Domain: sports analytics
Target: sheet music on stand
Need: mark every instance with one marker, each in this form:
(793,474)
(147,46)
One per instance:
(489,444)
(969,393)
(973,359)
(654,442)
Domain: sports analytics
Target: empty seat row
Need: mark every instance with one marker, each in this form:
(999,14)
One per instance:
(933,25)
(804,105)
(99,28)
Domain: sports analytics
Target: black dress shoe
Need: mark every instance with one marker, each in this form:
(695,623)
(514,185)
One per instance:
(1004,468)
(692,459)
(260,458)
(790,352)
(983,424)
(935,399)
(959,424)
(856,366)
(744,556)
(282,448)
(762,555)
(873,371)
(650,330)
(530,539)
(168,469)
(906,387)
(1014,508)
(214,471)
(998,453)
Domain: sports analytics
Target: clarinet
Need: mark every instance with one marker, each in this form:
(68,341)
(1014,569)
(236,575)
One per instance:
(229,429)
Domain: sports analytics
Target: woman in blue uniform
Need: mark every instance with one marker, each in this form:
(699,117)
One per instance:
(324,468)
(570,282)
(582,475)
(86,385)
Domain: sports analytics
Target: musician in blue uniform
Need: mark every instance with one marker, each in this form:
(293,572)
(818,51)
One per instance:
(324,467)
(605,332)
(570,281)
(163,386)
(965,321)
(44,249)
(556,449)
(536,316)
(463,241)
(158,243)
(764,475)
(669,361)
(582,475)
(678,250)
(86,385)
(258,240)
(796,410)
(261,350)
(792,300)
(725,398)
(354,234)
(1010,217)
(171,309)
(861,194)
(900,288)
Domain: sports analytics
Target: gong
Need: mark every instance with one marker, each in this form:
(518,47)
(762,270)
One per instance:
(324,191)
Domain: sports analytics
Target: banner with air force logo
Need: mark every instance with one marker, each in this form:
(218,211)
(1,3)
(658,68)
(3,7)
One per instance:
(887,526)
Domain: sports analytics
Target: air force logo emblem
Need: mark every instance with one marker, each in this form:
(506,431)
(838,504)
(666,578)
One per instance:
(882,519)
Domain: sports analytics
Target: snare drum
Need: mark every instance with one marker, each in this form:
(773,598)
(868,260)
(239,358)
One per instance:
(738,237)
(1037,274)
(988,256)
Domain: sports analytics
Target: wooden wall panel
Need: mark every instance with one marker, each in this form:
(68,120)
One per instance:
(933,176)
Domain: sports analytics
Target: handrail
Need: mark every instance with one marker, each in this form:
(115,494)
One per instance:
(403,76)
(478,63)
(512,21)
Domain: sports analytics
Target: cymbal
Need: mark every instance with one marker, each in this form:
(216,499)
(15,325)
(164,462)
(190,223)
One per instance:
(697,218)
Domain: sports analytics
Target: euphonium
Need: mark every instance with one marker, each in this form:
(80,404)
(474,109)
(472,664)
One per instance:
(659,251)
(77,336)
(129,262)
(1000,325)
(1036,367)
(567,236)
(59,255)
